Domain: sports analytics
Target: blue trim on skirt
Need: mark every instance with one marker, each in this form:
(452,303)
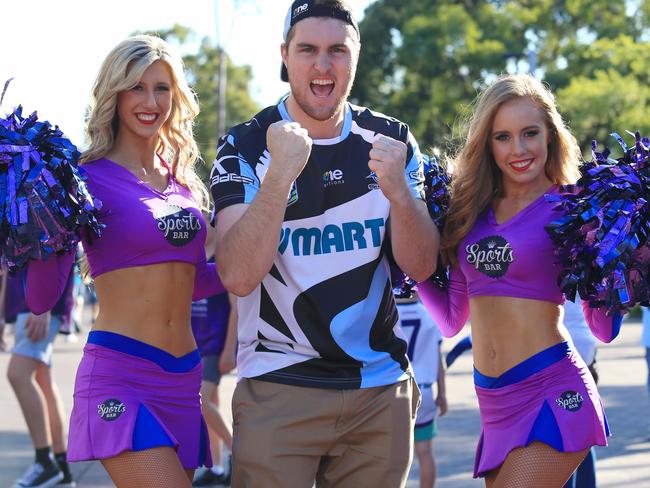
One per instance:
(133,347)
(525,369)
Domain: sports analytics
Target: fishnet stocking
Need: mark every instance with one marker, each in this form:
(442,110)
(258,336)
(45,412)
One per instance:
(535,466)
(151,468)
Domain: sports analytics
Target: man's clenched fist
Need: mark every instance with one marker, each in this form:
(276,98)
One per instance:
(388,160)
(290,147)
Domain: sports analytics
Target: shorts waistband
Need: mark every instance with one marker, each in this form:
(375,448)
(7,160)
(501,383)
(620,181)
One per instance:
(525,369)
(134,347)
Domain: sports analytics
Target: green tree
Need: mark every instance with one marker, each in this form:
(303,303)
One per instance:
(424,61)
(202,71)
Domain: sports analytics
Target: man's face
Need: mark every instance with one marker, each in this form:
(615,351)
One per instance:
(321,60)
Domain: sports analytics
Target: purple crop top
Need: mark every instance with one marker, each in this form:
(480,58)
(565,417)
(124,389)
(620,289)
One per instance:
(511,259)
(143,226)
(514,258)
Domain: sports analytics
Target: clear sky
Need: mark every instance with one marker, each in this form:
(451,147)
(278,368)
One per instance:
(53,49)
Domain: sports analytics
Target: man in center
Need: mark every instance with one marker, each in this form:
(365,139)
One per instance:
(312,197)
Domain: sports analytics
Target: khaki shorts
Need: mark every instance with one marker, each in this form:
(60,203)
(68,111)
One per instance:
(289,436)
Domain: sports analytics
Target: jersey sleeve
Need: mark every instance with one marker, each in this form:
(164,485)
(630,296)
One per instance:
(46,282)
(605,328)
(449,307)
(232,179)
(414,172)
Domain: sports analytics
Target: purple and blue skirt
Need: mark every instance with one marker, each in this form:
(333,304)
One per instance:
(550,397)
(131,396)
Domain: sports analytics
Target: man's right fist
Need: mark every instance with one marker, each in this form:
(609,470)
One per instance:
(289,143)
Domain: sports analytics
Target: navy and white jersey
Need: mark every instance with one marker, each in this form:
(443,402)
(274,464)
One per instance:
(325,315)
(424,340)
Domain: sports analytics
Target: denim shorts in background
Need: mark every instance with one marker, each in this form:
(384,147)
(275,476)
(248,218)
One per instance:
(41,350)
(210,368)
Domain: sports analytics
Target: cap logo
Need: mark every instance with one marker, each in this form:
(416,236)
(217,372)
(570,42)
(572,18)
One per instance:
(300,9)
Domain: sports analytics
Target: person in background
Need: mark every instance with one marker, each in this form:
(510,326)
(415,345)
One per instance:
(585,343)
(465,344)
(213,319)
(645,342)
(3,294)
(30,376)
(424,339)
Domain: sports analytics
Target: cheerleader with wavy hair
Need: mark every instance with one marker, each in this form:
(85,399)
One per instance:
(539,406)
(136,401)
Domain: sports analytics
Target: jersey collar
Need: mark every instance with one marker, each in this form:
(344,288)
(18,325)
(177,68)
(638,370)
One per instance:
(345,130)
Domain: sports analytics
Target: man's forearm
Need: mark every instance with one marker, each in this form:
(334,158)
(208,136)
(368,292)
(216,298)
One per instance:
(247,249)
(414,238)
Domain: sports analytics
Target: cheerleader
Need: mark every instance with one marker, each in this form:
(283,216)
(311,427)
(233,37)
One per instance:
(136,401)
(539,406)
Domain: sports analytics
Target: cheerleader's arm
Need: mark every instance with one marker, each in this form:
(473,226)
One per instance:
(206,281)
(46,280)
(449,307)
(604,327)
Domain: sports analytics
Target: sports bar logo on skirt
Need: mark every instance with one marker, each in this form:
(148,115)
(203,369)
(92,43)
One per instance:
(570,400)
(491,255)
(111,409)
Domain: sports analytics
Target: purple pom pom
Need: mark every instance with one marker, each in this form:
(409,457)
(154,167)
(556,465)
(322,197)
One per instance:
(436,190)
(602,239)
(44,202)
(436,194)
(437,183)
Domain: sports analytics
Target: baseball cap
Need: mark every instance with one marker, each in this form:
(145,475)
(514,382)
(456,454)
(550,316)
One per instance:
(303,9)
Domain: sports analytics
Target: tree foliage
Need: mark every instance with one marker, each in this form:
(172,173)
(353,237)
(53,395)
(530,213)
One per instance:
(424,61)
(202,71)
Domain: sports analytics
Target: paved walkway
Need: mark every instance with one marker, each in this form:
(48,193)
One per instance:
(624,464)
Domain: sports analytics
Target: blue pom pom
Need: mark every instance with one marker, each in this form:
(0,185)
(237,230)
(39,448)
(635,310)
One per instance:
(437,184)
(602,238)
(436,190)
(44,201)
(437,196)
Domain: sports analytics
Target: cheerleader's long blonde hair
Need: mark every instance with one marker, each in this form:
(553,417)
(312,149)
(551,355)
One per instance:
(122,70)
(477,180)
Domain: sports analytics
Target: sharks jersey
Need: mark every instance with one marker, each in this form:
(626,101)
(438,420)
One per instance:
(324,316)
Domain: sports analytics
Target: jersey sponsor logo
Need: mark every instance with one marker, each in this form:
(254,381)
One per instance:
(111,409)
(293,194)
(178,225)
(332,238)
(333,177)
(491,255)
(570,401)
(231,178)
(374,185)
